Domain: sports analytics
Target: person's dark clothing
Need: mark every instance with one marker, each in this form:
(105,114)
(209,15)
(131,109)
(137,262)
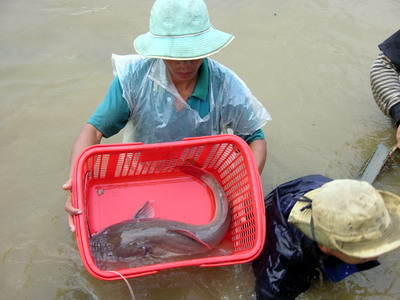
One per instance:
(391,48)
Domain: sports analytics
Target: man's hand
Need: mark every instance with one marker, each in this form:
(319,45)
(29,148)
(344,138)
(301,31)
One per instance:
(89,136)
(67,186)
(398,137)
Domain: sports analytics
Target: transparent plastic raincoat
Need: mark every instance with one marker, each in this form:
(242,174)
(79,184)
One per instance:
(160,114)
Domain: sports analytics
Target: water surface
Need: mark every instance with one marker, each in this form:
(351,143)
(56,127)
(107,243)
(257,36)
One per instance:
(307,61)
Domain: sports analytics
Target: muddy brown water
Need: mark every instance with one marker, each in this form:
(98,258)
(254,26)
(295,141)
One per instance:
(306,61)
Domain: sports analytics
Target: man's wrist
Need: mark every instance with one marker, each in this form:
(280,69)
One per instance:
(395,113)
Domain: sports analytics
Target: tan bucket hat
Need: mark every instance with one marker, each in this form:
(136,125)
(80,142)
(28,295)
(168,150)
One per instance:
(350,216)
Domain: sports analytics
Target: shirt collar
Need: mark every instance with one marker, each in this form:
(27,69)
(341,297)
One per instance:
(201,88)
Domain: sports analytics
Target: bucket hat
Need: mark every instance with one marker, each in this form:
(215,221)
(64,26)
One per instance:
(180,30)
(350,216)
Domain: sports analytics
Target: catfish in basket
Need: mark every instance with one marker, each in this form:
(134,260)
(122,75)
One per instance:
(146,240)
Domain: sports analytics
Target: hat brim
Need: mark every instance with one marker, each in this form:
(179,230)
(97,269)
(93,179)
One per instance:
(188,47)
(387,242)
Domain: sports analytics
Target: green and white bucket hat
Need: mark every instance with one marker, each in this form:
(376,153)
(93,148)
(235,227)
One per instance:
(180,30)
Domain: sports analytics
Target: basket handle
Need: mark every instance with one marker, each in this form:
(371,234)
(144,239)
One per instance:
(217,136)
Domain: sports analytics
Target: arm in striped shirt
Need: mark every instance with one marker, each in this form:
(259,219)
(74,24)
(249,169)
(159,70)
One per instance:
(385,85)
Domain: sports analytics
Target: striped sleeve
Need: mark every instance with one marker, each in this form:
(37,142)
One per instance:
(385,83)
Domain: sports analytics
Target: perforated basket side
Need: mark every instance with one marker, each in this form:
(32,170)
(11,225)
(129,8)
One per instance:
(235,178)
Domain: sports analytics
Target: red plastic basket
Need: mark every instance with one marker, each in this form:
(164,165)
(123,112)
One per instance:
(112,181)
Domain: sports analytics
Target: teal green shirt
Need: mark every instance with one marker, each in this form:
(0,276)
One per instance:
(113,113)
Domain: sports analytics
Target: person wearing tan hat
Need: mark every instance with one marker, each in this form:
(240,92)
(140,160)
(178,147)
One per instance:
(316,225)
(173,90)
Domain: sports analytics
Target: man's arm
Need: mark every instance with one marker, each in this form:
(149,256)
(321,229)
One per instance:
(385,85)
(108,119)
(89,136)
(259,150)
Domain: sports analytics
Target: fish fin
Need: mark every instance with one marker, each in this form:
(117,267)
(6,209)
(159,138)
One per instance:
(146,211)
(190,235)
